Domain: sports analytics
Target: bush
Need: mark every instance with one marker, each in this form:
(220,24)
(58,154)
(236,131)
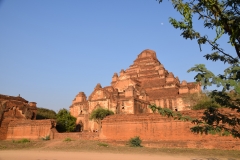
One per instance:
(44,113)
(24,140)
(67,139)
(226,133)
(65,121)
(46,138)
(103,144)
(205,105)
(99,114)
(135,142)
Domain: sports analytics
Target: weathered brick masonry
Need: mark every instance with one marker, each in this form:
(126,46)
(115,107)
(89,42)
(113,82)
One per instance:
(32,129)
(14,109)
(75,135)
(160,131)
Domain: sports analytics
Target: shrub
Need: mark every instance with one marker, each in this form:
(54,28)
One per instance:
(103,144)
(226,133)
(99,114)
(67,139)
(65,121)
(205,105)
(135,142)
(44,113)
(3,147)
(24,140)
(46,138)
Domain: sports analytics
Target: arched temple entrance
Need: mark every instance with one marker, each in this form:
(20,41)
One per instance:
(79,126)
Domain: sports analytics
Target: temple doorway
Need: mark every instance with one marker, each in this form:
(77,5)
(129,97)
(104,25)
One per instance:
(79,127)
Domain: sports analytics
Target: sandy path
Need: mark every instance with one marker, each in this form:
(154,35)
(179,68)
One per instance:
(58,155)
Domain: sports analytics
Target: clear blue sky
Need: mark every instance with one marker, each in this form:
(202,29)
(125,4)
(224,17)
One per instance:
(52,49)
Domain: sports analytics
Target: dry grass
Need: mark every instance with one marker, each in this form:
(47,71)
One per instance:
(116,147)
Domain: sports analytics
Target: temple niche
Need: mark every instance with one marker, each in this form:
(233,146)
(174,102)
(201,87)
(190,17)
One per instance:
(145,82)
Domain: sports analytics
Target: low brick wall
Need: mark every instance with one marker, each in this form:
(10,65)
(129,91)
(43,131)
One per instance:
(162,132)
(31,129)
(75,135)
(153,129)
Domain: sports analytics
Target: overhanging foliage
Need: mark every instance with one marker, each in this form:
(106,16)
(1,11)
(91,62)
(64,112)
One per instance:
(222,17)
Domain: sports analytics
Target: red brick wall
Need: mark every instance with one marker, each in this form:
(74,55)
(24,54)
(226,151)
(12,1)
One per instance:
(161,131)
(32,129)
(76,135)
(3,130)
(14,109)
(6,119)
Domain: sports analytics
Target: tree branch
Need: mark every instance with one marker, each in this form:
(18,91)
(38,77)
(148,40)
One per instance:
(220,50)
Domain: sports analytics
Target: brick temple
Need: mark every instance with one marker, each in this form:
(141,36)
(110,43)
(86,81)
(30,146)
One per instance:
(145,82)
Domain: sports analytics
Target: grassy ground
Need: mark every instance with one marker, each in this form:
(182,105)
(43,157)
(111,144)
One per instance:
(99,146)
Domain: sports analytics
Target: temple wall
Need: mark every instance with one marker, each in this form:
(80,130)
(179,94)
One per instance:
(161,131)
(92,125)
(36,129)
(103,103)
(75,110)
(180,104)
(83,122)
(75,135)
(123,84)
(127,107)
(113,105)
(3,129)
(31,129)
(183,90)
(11,113)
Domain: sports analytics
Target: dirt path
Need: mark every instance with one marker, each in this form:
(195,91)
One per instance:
(62,155)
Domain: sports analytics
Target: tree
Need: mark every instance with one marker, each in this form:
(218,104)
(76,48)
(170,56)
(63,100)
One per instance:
(65,121)
(169,113)
(223,18)
(192,99)
(198,101)
(99,114)
(44,113)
